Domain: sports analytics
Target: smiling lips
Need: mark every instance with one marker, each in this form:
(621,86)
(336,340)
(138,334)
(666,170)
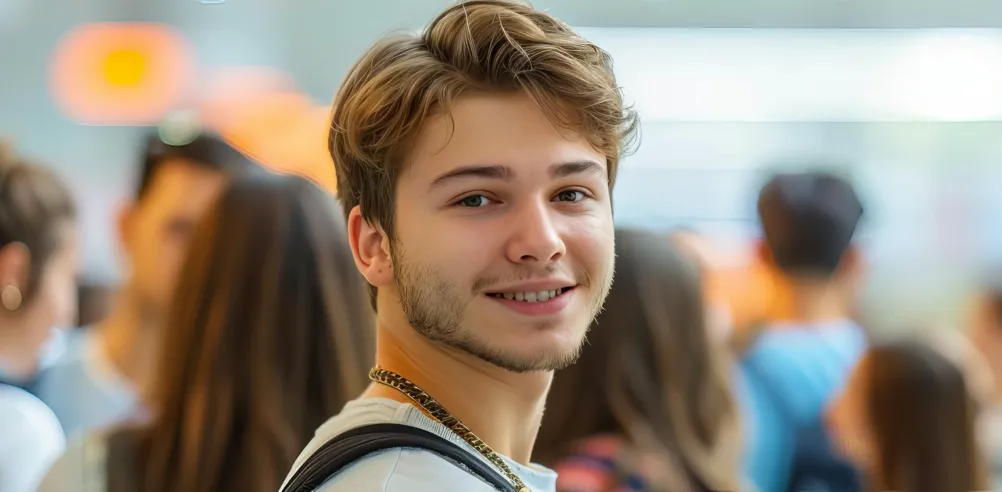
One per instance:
(544,302)
(539,296)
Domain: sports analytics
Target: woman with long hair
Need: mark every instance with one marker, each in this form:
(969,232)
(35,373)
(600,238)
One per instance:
(907,420)
(269,335)
(648,406)
(38,248)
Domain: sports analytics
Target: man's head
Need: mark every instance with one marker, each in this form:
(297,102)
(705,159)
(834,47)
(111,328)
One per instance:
(177,183)
(475,163)
(808,220)
(38,256)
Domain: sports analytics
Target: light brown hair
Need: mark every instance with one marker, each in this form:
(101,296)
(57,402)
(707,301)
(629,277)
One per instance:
(923,417)
(269,336)
(651,375)
(35,208)
(484,46)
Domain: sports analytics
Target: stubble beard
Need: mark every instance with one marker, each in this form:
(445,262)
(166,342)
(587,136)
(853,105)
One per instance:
(435,310)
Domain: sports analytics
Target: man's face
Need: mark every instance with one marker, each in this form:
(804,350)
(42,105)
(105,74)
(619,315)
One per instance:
(503,242)
(156,230)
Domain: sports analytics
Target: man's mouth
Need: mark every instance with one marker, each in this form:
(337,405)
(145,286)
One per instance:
(538,296)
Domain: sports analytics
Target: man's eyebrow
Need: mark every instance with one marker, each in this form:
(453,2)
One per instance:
(505,173)
(498,172)
(565,169)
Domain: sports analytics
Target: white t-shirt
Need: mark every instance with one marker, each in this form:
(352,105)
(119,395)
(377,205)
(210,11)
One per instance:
(31,439)
(408,470)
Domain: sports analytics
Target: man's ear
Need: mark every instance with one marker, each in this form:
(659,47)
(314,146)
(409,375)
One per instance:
(371,248)
(853,266)
(763,255)
(15,263)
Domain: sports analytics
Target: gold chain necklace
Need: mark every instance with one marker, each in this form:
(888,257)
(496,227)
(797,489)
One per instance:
(433,407)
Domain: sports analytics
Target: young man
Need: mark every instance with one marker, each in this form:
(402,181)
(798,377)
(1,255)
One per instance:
(101,375)
(475,163)
(800,361)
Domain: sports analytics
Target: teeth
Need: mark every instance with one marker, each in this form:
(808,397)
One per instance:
(541,296)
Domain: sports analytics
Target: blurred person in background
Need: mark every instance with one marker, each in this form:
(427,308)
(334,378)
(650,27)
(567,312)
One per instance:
(104,370)
(38,256)
(648,406)
(986,333)
(793,365)
(269,334)
(720,322)
(907,419)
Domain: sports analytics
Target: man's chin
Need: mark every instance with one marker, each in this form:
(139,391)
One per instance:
(521,349)
(526,365)
(525,360)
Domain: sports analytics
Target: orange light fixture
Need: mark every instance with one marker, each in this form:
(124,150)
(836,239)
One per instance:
(259,111)
(120,73)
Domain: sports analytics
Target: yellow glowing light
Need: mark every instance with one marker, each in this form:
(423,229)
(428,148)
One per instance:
(120,73)
(124,67)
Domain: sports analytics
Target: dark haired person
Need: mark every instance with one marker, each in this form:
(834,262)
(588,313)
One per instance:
(38,248)
(795,364)
(269,333)
(104,370)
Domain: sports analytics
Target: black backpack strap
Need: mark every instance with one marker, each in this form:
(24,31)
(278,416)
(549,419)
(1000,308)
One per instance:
(357,443)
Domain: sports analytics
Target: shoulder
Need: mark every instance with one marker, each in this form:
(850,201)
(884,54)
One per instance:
(403,470)
(81,467)
(836,341)
(65,362)
(32,437)
(84,389)
(803,366)
(356,413)
(24,418)
(394,470)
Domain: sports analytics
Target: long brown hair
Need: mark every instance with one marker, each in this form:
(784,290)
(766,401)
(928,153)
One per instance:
(923,419)
(651,374)
(268,337)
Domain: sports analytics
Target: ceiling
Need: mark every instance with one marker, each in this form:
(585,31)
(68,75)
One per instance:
(903,14)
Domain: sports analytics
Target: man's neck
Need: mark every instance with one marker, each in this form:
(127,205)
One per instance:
(502,408)
(128,342)
(804,302)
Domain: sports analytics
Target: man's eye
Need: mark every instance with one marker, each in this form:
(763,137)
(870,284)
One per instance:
(474,201)
(570,196)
